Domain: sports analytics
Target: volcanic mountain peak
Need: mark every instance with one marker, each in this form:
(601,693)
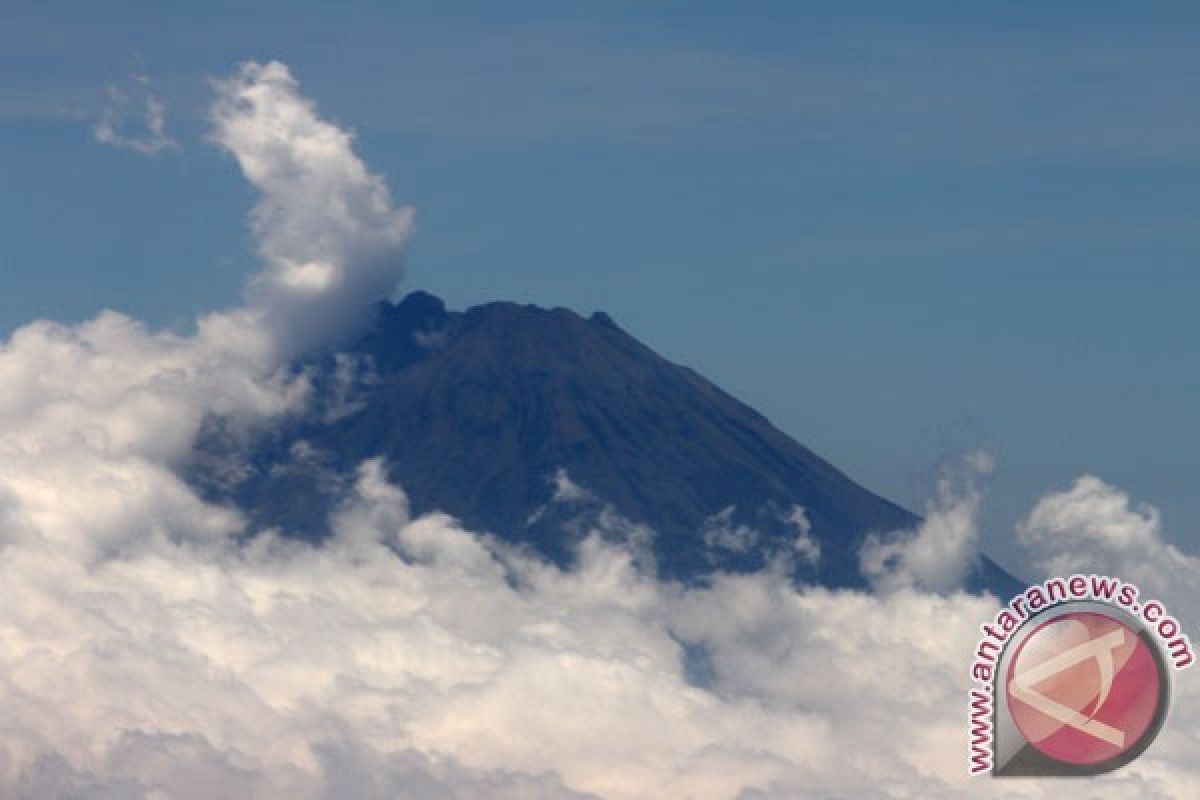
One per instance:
(487,414)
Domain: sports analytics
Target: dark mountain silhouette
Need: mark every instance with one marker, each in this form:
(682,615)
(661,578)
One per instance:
(539,425)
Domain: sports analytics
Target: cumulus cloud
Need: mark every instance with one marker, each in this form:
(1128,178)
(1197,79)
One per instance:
(134,119)
(151,647)
(940,552)
(409,655)
(94,418)
(1093,526)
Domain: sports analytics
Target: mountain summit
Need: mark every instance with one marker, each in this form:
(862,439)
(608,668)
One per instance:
(539,425)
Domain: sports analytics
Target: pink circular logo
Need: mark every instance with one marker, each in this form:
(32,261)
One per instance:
(1084,688)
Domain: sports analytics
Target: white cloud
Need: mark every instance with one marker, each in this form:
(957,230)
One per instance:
(404,636)
(579,514)
(722,532)
(134,106)
(1092,527)
(940,552)
(807,546)
(350,374)
(567,491)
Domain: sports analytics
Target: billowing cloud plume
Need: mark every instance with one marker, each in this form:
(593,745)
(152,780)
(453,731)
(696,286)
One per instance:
(134,119)
(327,231)
(149,649)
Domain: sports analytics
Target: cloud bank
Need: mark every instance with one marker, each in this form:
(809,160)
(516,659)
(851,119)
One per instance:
(149,649)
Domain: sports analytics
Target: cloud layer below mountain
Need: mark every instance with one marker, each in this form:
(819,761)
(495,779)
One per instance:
(149,650)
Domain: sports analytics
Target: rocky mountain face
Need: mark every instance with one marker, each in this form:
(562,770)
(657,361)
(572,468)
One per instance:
(541,426)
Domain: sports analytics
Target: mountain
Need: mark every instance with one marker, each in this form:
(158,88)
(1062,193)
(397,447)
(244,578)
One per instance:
(539,425)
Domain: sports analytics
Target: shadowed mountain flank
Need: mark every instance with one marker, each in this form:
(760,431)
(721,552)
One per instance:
(540,425)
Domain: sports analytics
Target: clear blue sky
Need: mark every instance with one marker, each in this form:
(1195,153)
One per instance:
(899,230)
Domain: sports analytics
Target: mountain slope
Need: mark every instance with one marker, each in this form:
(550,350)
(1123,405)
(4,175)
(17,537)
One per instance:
(530,423)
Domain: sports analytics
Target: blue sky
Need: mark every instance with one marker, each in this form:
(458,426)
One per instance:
(900,235)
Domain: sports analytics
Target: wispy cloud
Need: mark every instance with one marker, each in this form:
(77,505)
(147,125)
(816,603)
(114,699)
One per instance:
(939,553)
(134,119)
